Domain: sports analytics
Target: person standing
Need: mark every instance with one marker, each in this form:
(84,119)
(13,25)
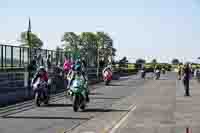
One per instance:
(186,78)
(49,61)
(179,72)
(32,68)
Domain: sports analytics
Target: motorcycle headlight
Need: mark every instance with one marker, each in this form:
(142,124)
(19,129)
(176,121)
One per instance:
(69,92)
(74,89)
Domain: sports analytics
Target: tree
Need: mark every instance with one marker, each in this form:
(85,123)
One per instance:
(35,41)
(175,62)
(88,47)
(105,46)
(123,62)
(140,61)
(71,43)
(154,61)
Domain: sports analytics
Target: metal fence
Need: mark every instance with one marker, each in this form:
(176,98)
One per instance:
(13,57)
(20,57)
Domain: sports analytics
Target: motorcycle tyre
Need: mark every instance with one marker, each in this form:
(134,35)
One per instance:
(107,82)
(75,103)
(37,99)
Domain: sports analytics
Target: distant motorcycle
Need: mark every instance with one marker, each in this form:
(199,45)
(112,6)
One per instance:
(143,74)
(107,77)
(163,71)
(157,74)
(40,89)
(198,75)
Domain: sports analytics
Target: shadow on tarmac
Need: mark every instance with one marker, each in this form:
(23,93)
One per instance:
(43,117)
(114,98)
(103,110)
(116,85)
(96,93)
(58,105)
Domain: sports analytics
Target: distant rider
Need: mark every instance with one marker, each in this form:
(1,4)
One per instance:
(107,68)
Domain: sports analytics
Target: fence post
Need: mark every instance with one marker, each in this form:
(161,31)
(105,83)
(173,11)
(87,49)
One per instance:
(97,61)
(5,56)
(2,56)
(11,56)
(20,58)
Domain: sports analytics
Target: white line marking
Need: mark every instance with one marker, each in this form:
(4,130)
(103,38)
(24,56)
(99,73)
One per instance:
(114,129)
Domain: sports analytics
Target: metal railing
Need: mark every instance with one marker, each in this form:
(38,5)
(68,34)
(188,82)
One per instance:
(20,57)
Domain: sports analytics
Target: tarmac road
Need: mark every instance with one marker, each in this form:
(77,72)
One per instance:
(59,116)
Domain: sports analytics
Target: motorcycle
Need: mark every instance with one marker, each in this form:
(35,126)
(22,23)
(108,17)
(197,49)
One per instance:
(157,74)
(163,71)
(40,89)
(143,74)
(107,77)
(77,93)
(198,75)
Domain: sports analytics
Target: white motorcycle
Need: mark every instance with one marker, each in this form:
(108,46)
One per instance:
(40,89)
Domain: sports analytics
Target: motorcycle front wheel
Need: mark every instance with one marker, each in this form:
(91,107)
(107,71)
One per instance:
(107,82)
(46,102)
(37,99)
(75,103)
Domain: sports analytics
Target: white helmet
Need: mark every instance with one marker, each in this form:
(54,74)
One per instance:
(41,68)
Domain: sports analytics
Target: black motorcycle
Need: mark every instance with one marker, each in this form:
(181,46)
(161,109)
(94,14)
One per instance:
(198,76)
(143,74)
(163,71)
(157,74)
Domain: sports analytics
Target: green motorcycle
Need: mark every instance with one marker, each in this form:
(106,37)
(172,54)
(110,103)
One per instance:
(77,93)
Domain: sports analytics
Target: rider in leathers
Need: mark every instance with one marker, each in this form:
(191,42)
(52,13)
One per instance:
(42,74)
(71,76)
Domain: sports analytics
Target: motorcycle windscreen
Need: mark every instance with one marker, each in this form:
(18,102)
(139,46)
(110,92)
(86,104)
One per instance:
(76,83)
(157,71)
(35,85)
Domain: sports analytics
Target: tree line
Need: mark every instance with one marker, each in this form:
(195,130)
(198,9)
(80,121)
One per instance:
(91,45)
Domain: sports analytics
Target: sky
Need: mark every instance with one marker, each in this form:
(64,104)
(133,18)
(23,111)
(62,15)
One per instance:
(148,29)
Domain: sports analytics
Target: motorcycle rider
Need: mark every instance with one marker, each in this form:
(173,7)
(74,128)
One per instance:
(42,74)
(107,68)
(67,66)
(143,72)
(163,70)
(157,70)
(76,71)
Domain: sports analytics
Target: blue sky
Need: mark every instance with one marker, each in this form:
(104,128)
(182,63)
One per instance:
(161,29)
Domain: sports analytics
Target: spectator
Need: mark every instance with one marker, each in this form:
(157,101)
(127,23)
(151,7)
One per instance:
(186,78)
(33,65)
(49,61)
